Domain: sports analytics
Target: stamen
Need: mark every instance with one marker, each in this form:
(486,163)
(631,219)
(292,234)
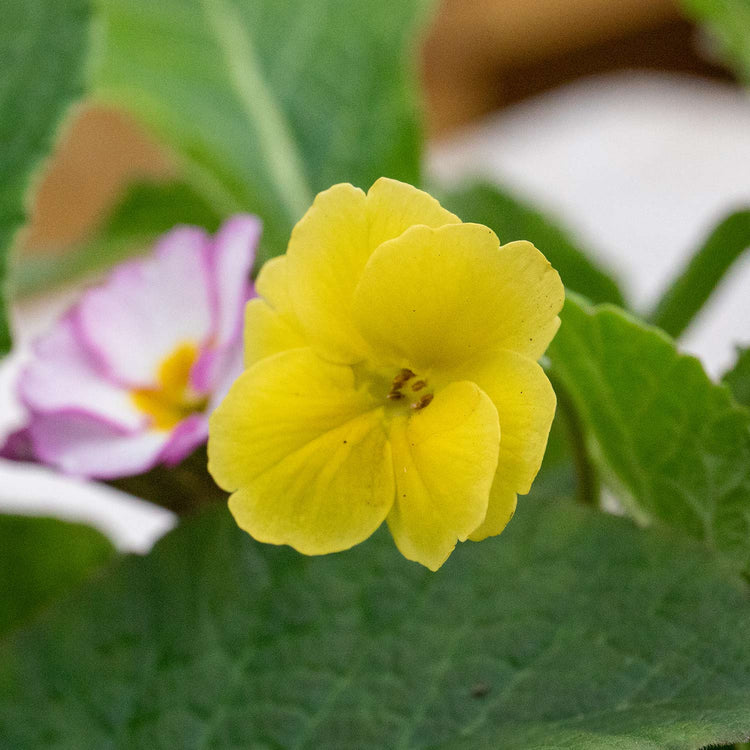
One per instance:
(404,375)
(399,382)
(424,401)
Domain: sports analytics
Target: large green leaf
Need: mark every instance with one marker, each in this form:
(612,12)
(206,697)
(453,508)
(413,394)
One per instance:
(738,378)
(694,285)
(571,630)
(728,22)
(675,444)
(144,212)
(269,101)
(43,48)
(42,559)
(512,219)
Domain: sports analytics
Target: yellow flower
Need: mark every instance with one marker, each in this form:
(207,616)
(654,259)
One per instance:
(391,375)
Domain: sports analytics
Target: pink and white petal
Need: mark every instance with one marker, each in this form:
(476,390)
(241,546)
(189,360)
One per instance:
(81,445)
(231,260)
(228,369)
(205,371)
(148,307)
(216,370)
(185,438)
(63,376)
(18,446)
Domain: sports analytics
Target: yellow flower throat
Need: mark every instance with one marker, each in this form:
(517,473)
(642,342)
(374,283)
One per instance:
(173,399)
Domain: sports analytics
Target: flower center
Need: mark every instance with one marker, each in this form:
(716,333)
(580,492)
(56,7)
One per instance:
(408,387)
(173,399)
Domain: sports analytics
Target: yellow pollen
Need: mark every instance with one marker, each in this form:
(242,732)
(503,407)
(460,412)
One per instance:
(172,400)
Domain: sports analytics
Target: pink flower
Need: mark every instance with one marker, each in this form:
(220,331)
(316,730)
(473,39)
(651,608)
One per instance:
(127,378)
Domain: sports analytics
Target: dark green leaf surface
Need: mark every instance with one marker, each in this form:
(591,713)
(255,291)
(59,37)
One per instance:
(269,101)
(145,211)
(728,21)
(571,630)
(674,444)
(42,559)
(557,477)
(738,378)
(512,219)
(43,47)
(692,288)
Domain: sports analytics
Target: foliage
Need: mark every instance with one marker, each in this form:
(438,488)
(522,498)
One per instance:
(674,444)
(41,559)
(738,378)
(217,641)
(728,22)
(268,102)
(694,285)
(43,49)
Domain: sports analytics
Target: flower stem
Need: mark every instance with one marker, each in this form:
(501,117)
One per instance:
(587,477)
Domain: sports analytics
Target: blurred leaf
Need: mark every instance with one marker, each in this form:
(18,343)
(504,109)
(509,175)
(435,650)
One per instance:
(43,48)
(268,102)
(42,559)
(571,630)
(690,290)
(738,378)
(183,488)
(673,443)
(512,219)
(728,22)
(557,477)
(145,211)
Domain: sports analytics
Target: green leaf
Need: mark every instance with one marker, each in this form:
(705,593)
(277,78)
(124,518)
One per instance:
(43,48)
(673,443)
(571,630)
(42,559)
(145,211)
(738,378)
(728,22)
(690,290)
(512,219)
(268,101)
(557,477)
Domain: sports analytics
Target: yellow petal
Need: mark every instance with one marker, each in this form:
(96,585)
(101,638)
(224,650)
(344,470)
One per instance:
(500,510)
(327,251)
(525,403)
(444,458)
(270,323)
(330,246)
(268,332)
(304,452)
(532,296)
(434,297)
(393,207)
(273,284)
